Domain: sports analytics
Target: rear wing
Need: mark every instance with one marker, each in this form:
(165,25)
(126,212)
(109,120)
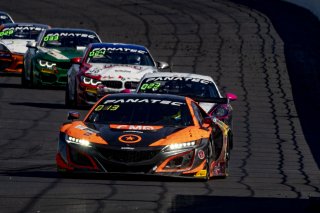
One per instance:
(211,100)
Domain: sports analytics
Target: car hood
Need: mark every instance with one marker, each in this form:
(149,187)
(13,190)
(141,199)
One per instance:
(133,135)
(16,45)
(115,71)
(59,54)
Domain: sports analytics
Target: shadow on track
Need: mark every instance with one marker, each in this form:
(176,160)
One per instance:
(300,32)
(194,203)
(42,105)
(98,176)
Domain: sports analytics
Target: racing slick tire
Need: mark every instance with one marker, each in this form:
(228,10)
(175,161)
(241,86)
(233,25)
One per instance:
(24,81)
(68,101)
(210,157)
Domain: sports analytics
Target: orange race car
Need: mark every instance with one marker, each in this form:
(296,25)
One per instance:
(146,134)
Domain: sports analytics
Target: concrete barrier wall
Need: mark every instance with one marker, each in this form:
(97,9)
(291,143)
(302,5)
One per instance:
(312,5)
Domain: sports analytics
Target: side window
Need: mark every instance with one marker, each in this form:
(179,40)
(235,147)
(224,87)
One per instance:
(197,112)
(3,48)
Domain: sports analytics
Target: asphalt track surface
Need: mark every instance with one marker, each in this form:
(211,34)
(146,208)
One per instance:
(266,52)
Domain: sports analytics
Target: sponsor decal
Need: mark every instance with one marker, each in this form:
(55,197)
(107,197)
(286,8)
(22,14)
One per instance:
(129,138)
(127,148)
(124,49)
(134,127)
(145,100)
(201,173)
(201,154)
(48,71)
(91,90)
(56,36)
(176,78)
(10,30)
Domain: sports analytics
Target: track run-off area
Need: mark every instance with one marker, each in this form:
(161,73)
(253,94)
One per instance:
(266,52)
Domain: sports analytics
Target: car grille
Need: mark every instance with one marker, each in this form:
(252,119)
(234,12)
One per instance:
(113,84)
(128,156)
(63,65)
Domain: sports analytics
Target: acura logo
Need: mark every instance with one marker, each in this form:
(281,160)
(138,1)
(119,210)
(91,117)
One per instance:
(129,138)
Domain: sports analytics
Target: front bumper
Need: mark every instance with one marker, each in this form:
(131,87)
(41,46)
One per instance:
(89,94)
(52,77)
(11,63)
(140,160)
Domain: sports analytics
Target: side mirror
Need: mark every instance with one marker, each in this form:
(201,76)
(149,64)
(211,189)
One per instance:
(73,115)
(207,122)
(76,60)
(232,97)
(31,44)
(162,65)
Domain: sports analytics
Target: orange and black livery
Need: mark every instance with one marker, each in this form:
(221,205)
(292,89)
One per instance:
(152,134)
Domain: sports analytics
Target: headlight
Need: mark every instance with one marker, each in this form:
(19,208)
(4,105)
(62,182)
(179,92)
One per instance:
(46,64)
(81,142)
(186,145)
(221,112)
(91,81)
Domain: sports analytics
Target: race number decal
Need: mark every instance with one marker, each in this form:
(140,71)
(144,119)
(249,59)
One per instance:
(6,32)
(153,86)
(97,52)
(51,37)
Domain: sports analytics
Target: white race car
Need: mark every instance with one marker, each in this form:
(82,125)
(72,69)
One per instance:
(5,18)
(13,40)
(200,88)
(107,68)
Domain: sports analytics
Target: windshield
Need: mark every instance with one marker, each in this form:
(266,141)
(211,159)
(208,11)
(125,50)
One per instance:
(66,39)
(110,55)
(142,112)
(21,32)
(191,87)
(4,19)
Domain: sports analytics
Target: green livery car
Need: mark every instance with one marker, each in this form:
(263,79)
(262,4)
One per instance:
(48,59)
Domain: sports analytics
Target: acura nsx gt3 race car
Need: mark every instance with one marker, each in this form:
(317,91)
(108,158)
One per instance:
(107,68)
(5,18)
(146,134)
(48,60)
(200,88)
(13,41)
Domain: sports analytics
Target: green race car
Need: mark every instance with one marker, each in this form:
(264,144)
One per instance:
(48,60)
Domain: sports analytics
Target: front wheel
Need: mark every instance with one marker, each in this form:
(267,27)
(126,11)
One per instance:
(211,156)
(24,81)
(68,101)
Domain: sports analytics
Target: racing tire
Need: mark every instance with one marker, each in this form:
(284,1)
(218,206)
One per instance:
(75,97)
(68,101)
(210,157)
(31,83)
(24,81)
